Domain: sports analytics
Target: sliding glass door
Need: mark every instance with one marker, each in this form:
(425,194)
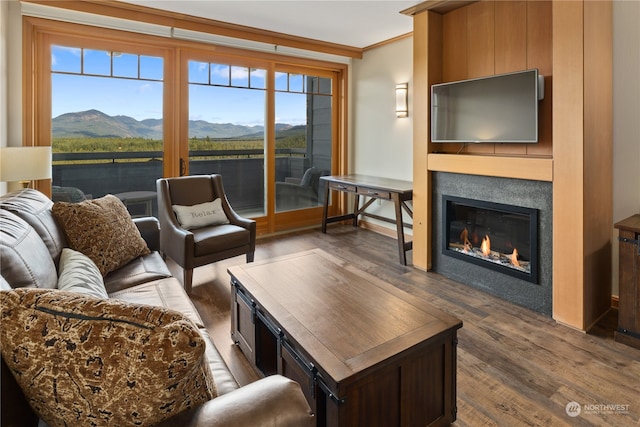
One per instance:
(227,132)
(106,126)
(267,128)
(304,139)
(122,110)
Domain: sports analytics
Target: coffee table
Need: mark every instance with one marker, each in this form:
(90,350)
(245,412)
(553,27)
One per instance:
(364,352)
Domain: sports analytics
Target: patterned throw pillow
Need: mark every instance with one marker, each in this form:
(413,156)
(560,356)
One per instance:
(79,274)
(201,215)
(88,361)
(103,230)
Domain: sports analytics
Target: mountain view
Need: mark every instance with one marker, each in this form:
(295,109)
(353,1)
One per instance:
(96,124)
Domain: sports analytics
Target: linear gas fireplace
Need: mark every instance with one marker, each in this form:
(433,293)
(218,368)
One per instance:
(496,236)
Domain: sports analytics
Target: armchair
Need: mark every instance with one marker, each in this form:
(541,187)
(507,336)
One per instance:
(205,244)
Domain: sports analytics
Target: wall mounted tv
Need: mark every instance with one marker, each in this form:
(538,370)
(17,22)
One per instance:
(495,109)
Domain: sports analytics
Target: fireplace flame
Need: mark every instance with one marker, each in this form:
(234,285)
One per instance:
(464,238)
(485,247)
(514,258)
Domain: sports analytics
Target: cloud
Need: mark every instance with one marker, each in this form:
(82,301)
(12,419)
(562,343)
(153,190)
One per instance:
(144,88)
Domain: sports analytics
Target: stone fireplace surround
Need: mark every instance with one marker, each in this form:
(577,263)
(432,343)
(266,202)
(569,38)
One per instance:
(518,192)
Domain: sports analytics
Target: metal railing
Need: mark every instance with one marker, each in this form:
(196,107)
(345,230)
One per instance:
(100,173)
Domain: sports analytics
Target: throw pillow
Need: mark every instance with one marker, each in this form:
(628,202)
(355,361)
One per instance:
(79,274)
(103,230)
(201,215)
(88,361)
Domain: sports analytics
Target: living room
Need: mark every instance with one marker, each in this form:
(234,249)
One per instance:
(381,144)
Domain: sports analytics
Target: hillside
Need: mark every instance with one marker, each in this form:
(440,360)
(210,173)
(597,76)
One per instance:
(96,124)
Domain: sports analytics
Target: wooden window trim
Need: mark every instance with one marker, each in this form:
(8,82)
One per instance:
(40,33)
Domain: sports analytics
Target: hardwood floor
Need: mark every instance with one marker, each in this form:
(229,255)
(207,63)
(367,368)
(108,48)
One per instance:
(515,367)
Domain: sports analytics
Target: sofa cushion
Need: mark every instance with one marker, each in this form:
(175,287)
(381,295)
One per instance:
(200,215)
(168,293)
(25,260)
(87,361)
(143,269)
(225,382)
(103,230)
(77,273)
(35,209)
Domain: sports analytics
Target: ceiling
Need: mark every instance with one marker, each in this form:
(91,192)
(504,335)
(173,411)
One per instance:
(355,23)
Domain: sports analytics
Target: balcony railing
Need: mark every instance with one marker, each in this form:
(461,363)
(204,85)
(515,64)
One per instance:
(117,172)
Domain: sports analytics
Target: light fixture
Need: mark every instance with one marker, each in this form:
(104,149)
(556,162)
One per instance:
(25,164)
(402,100)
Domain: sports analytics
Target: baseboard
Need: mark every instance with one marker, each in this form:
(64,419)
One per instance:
(381,229)
(614,301)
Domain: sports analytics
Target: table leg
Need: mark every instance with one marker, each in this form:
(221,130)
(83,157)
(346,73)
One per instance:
(400,229)
(325,208)
(356,208)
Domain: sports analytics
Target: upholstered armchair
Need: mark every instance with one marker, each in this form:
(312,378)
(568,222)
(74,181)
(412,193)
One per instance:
(198,226)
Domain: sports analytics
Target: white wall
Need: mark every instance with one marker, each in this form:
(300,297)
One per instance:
(10,78)
(4,18)
(626,117)
(381,143)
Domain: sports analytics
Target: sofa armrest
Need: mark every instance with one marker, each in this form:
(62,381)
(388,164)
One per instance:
(149,228)
(274,401)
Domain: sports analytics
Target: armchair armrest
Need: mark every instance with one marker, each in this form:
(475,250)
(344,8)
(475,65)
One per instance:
(274,401)
(149,228)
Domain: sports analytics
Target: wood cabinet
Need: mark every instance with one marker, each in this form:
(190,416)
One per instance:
(629,299)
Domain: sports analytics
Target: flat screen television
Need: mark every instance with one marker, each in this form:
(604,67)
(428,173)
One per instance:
(495,109)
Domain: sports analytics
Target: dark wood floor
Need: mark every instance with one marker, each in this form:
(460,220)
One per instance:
(515,367)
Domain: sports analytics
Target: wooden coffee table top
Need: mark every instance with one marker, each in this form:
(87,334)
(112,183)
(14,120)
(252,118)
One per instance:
(346,319)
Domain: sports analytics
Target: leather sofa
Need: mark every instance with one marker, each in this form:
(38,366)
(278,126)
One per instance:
(27,225)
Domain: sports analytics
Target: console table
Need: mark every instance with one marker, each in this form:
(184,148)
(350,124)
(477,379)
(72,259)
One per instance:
(365,352)
(374,188)
(629,293)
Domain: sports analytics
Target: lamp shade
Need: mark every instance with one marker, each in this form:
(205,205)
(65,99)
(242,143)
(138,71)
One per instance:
(25,163)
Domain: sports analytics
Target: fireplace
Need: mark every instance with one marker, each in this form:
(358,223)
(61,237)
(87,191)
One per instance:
(532,204)
(497,236)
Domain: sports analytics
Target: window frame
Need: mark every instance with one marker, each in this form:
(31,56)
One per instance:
(40,33)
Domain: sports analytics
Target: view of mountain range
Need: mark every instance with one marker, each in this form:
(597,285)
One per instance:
(96,124)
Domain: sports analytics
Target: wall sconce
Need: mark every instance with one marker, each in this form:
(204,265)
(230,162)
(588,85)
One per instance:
(25,164)
(402,100)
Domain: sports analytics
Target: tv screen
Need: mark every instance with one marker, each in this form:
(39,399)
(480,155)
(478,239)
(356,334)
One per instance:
(496,109)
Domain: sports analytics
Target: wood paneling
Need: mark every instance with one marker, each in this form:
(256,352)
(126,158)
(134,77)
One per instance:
(540,56)
(454,45)
(480,52)
(507,167)
(488,38)
(427,70)
(510,51)
(510,36)
(598,157)
(582,152)
(568,191)
(480,39)
(583,185)
(570,44)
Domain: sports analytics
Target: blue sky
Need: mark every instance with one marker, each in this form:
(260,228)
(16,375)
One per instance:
(142,99)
